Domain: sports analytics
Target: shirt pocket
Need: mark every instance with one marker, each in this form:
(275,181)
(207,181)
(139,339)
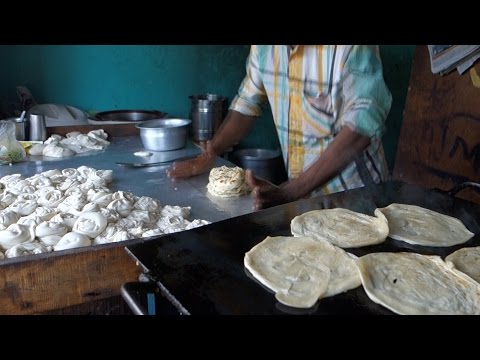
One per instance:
(317,103)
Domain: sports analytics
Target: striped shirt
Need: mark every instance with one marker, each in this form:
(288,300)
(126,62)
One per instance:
(314,91)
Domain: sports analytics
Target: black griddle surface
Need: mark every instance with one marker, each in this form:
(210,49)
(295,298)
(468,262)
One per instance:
(203,267)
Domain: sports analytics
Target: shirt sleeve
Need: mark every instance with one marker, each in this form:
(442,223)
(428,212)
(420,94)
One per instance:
(367,99)
(251,94)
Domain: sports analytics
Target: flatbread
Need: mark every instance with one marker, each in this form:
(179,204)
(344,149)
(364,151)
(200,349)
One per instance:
(414,284)
(467,260)
(226,181)
(341,227)
(301,270)
(419,226)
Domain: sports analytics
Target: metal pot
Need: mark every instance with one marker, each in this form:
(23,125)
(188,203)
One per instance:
(129,115)
(264,163)
(164,134)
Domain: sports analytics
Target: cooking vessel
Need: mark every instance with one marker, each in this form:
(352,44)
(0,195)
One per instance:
(129,115)
(264,163)
(207,112)
(164,134)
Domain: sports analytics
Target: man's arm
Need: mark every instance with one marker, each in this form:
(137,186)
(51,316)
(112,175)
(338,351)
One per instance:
(234,127)
(341,152)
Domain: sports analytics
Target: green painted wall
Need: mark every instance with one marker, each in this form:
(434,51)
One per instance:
(397,65)
(106,77)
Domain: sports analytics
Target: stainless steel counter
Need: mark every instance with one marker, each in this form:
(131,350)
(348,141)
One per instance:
(148,181)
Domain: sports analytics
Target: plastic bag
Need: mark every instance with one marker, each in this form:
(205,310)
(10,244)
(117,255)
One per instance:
(11,150)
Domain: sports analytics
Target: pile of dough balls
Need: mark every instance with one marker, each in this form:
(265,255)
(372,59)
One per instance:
(69,208)
(74,143)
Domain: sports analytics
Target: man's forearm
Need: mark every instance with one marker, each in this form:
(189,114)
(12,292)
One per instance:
(341,152)
(233,129)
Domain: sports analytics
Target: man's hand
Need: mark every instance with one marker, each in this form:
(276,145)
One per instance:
(197,166)
(264,193)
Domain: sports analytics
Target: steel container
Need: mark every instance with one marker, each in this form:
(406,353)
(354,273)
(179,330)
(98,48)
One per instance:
(164,134)
(207,113)
(20,127)
(264,163)
(37,127)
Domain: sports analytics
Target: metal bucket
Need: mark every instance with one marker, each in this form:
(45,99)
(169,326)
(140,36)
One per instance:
(264,163)
(207,112)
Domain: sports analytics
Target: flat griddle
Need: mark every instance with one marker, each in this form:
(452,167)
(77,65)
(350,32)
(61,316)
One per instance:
(202,271)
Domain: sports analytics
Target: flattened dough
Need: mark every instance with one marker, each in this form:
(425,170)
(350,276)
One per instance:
(467,260)
(301,270)
(341,227)
(419,226)
(414,284)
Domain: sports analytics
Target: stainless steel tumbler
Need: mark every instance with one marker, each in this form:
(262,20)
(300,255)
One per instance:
(38,128)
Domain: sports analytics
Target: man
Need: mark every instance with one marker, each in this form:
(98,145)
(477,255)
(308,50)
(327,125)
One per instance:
(329,104)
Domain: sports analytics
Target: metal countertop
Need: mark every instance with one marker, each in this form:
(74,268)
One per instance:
(147,181)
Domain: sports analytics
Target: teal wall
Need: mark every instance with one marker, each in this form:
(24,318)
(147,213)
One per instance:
(397,65)
(106,77)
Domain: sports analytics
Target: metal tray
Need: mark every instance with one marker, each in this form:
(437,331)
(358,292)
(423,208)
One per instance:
(129,115)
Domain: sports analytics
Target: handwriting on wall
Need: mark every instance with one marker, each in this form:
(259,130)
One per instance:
(439,146)
(473,155)
(453,144)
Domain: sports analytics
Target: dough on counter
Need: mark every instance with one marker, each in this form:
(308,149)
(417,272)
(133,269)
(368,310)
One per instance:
(90,224)
(48,228)
(60,209)
(226,181)
(467,260)
(37,149)
(72,240)
(341,227)
(414,284)
(74,143)
(54,150)
(15,234)
(301,270)
(26,248)
(7,218)
(421,226)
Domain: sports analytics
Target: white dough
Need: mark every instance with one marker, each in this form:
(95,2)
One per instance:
(90,224)
(414,284)
(72,240)
(421,226)
(341,227)
(467,260)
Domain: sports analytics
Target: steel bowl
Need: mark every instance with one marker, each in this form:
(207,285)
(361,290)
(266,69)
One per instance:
(129,115)
(164,134)
(264,163)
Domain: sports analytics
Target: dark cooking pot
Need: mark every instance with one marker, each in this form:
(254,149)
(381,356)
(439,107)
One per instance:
(129,115)
(264,163)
